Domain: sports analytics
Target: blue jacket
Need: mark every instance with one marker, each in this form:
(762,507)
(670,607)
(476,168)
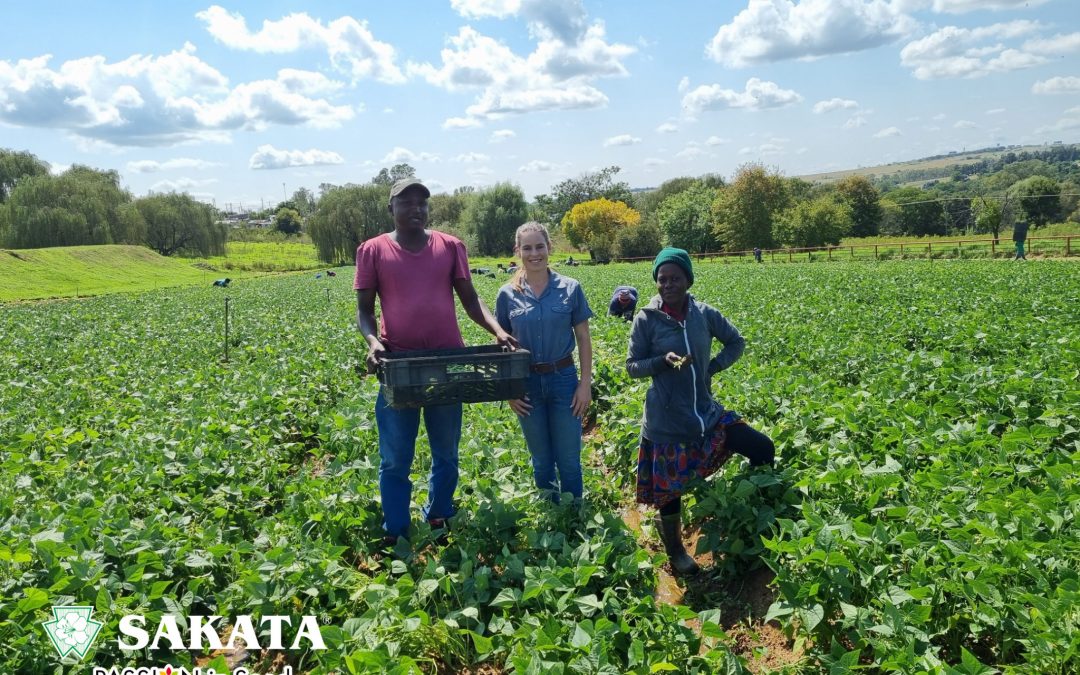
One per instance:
(679,406)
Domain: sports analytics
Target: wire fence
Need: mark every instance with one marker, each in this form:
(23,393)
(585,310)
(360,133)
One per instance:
(1058,246)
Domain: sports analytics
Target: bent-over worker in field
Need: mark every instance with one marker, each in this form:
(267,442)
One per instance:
(415,272)
(685,433)
(547,313)
(623,302)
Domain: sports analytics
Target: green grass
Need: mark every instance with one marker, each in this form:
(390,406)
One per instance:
(264,256)
(32,274)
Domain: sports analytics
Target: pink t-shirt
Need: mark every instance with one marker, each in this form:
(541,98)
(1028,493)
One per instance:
(415,290)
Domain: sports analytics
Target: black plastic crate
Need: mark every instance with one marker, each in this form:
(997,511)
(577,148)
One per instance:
(467,375)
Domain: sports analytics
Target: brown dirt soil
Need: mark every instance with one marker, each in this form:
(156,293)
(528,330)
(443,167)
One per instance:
(743,603)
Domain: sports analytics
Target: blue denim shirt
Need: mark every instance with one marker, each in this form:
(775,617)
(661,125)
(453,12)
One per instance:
(544,325)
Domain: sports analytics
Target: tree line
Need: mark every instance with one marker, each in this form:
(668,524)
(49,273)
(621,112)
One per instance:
(83,206)
(594,212)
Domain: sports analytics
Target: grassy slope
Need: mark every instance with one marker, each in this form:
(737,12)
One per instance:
(889,169)
(91,270)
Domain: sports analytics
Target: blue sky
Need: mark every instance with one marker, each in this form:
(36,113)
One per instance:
(245,102)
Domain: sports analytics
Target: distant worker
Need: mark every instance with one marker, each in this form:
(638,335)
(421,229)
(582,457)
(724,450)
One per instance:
(570,262)
(623,302)
(757,254)
(331,273)
(1019,236)
(224,283)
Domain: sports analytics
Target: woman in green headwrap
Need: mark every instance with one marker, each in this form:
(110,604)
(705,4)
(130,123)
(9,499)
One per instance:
(685,432)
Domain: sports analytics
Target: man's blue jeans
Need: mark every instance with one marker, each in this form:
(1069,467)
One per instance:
(553,433)
(397,445)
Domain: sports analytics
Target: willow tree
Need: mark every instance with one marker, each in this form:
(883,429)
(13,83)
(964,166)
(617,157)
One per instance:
(346,217)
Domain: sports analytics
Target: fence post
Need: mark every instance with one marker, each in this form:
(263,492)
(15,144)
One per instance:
(789,255)
(226,329)
(993,247)
(929,250)
(852,251)
(1068,247)
(830,253)
(901,250)
(875,252)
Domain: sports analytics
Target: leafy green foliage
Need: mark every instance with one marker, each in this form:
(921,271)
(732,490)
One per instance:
(589,186)
(1040,199)
(922,516)
(492,216)
(288,221)
(686,219)
(176,223)
(821,222)
(743,212)
(346,217)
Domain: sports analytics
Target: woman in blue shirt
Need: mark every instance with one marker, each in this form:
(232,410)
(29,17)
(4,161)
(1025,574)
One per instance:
(548,314)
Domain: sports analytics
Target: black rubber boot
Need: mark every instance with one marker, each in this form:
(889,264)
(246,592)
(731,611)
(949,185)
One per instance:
(670,528)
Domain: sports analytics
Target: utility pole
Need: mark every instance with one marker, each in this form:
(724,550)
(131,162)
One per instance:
(284,195)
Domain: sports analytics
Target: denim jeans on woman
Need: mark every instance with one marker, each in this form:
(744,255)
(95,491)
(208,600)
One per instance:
(553,433)
(398,429)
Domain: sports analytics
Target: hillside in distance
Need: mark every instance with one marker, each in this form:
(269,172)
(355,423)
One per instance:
(936,162)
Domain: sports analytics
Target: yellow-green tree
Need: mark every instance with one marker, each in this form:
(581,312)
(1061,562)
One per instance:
(594,225)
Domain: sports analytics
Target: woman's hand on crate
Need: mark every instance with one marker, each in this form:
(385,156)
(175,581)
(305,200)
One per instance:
(521,406)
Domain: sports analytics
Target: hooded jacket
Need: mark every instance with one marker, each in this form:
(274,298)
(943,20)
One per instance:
(679,406)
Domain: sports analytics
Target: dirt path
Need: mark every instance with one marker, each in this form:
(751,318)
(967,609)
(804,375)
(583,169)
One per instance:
(743,603)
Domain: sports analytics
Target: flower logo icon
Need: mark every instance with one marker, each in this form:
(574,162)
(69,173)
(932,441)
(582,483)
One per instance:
(72,629)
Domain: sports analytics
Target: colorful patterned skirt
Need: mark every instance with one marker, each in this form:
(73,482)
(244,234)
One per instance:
(666,470)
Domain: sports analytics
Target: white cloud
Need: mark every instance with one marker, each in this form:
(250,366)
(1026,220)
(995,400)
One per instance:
(460,123)
(653,162)
(667,128)
(350,45)
(857,120)
(834,104)
(765,149)
(156,100)
(995,111)
(621,139)
(181,184)
(939,117)
(1054,46)
(57,169)
(716,140)
(777,30)
(537,165)
(500,135)
(965,124)
(970,52)
(758,95)
(888,132)
(963,6)
(1070,122)
(684,84)
(152,166)
(570,54)
(690,152)
(479,9)
(1057,85)
(269,157)
(400,154)
(471,158)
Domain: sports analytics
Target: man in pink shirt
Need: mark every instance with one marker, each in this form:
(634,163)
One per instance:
(415,272)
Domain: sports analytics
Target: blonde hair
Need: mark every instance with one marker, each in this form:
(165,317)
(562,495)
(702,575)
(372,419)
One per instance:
(527,228)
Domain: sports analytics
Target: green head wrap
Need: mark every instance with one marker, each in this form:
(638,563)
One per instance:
(675,256)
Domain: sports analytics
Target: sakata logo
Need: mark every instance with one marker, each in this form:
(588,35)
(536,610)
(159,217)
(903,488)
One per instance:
(72,629)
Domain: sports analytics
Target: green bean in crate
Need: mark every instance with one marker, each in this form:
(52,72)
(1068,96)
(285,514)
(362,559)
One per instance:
(468,375)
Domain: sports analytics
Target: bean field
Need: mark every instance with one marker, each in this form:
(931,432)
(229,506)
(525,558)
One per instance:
(921,517)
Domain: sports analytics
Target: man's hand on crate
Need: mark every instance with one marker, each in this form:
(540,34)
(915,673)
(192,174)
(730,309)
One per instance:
(506,340)
(376,351)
